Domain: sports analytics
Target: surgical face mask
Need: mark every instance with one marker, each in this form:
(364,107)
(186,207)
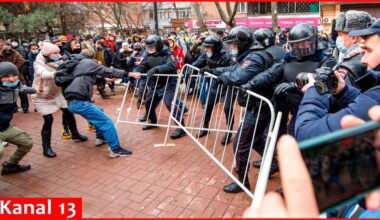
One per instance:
(111,39)
(7,52)
(11,85)
(25,44)
(119,41)
(340,45)
(35,51)
(14,44)
(209,54)
(234,53)
(55,59)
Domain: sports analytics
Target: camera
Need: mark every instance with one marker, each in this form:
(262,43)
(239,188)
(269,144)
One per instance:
(325,80)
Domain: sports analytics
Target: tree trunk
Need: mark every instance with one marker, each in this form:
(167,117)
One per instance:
(230,19)
(202,25)
(62,17)
(274,15)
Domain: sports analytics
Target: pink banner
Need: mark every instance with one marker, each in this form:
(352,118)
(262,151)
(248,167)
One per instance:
(259,22)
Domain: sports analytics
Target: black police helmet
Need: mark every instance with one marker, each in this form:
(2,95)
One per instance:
(302,39)
(241,36)
(214,42)
(156,41)
(265,37)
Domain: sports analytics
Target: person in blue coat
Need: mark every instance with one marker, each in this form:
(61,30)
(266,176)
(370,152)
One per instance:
(314,117)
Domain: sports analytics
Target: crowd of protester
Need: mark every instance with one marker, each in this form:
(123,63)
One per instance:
(264,61)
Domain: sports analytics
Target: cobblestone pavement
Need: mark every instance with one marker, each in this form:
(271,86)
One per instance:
(179,181)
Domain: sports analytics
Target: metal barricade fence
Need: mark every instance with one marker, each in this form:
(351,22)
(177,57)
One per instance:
(197,94)
(222,157)
(135,109)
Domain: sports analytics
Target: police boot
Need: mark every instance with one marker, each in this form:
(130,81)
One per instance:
(144,118)
(256,164)
(178,133)
(226,139)
(234,187)
(13,168)
(46,138)
(202,133)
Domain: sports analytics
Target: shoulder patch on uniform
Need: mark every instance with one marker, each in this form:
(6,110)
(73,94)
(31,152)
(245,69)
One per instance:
(246,63)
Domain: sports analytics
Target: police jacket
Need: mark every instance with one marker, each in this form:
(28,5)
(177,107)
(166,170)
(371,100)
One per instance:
(164,63)
(221,59)
(313,117)
(355,69)
(86,73)
(8,99)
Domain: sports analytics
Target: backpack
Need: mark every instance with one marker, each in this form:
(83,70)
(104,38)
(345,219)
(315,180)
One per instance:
(64,74)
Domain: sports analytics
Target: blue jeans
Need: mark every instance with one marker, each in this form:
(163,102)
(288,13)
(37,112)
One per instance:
(95,115)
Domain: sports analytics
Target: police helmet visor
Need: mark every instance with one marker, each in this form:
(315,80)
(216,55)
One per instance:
(303,47)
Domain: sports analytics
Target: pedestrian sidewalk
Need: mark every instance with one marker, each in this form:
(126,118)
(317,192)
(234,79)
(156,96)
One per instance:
(179,181)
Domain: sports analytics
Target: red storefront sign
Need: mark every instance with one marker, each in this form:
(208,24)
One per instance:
(260,22)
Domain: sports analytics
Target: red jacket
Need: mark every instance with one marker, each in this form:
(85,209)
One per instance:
(178,53)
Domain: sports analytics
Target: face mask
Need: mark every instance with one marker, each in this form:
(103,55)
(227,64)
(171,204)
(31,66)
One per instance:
(138,49)
(35,51)
(234,53)
(7,52)
(25,45)
(111,39)
(76,50)
(119,41)
(209,54)
(14,44)
(121,50)
(11,85)
(63,43)
(55,59)
(340,45)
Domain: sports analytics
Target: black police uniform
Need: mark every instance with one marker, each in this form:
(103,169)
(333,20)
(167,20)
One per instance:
(162,62)
(220,59)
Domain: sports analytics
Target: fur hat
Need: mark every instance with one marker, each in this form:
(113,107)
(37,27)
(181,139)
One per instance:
(352,20)
(49,48)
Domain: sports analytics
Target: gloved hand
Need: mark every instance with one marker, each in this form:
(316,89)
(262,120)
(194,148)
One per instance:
(203,70)
(151,72)
(284,88)
(247,86)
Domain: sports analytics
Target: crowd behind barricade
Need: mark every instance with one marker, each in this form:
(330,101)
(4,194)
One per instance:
(313,78)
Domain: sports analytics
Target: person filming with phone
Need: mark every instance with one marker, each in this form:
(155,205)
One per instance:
(327,86)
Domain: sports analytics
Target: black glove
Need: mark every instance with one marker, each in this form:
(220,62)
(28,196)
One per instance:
(247,86)
(284,88)
(203,70)
(151,72)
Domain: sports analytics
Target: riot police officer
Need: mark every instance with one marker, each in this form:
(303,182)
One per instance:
(159,61)
(212,58)
(305,55)
(349,65)
(253,58)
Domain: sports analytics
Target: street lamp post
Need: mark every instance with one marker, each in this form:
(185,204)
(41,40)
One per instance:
(155,17)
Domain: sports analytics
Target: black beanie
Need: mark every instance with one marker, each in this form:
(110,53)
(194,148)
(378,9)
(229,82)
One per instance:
(7,68)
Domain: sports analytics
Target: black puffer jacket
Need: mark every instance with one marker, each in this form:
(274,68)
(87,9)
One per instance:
(81,86)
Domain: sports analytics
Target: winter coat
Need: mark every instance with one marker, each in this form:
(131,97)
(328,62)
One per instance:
(49,98)
(180,57)
(313,117)
(81,86)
